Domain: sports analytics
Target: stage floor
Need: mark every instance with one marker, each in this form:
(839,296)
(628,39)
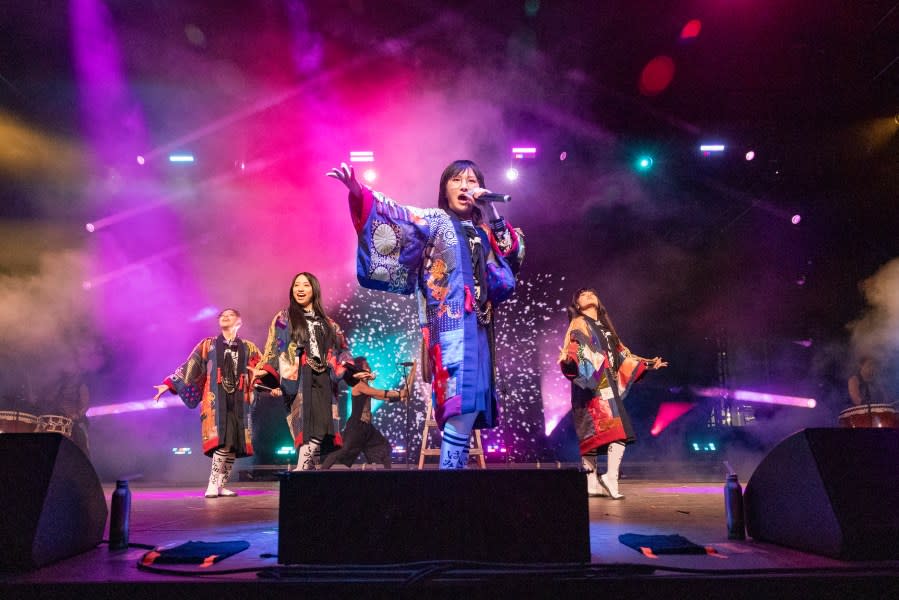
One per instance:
(167,516)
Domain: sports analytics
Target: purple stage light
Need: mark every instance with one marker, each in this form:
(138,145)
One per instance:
(688,489)
(139,405)
(181,158)
(750,155)
(757,397)
(141,160)
(512,173)
(563,156)
(796,219)
(90,227)
(370,175)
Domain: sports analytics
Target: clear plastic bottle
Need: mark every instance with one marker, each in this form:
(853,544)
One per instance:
(120,516)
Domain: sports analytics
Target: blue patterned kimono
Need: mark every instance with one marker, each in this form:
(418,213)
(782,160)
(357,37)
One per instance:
(405,249)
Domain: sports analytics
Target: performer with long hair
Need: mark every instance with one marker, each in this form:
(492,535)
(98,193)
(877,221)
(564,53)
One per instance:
(360,435)
(305,354)
(601,369)
(462,258)
(215,378)
(865,385)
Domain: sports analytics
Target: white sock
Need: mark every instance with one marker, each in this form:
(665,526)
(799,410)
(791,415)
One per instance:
(455,445)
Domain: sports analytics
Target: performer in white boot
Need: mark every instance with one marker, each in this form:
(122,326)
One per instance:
(609,479)
(215,378)
(588,464)
(601,370)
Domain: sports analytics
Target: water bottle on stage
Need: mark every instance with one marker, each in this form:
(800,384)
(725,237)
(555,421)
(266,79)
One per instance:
(120,516)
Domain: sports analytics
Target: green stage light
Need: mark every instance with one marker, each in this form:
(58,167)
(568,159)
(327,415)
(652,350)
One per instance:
(644,162)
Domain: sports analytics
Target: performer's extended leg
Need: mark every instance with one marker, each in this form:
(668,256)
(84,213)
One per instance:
(454,447)
(609,479)
(377,449)
(593,487)
(306,457)
(216,473)
(230,457)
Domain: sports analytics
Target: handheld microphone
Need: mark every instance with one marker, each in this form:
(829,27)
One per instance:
(491,197)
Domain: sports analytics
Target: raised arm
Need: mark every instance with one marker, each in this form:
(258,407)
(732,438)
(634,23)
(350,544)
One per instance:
(360,202)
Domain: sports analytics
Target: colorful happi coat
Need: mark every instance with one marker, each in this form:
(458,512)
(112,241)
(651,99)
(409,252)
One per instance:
(199,383)
(599,416)
(292,372)
(404,249)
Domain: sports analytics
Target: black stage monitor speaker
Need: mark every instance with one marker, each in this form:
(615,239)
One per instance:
(833,492)
(51,502)
(398,516)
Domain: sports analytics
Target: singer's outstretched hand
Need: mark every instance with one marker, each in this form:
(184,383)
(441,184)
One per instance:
(347,176)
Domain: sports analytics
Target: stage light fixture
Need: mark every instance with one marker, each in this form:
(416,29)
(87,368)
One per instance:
(362,156)
(795,219)
(90,227)
(370,175)
(181,158)
(644,162)
(141,160)
(521,152)
(710,149)
(285,451)
(512,174)
(704,446)
(750,155)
